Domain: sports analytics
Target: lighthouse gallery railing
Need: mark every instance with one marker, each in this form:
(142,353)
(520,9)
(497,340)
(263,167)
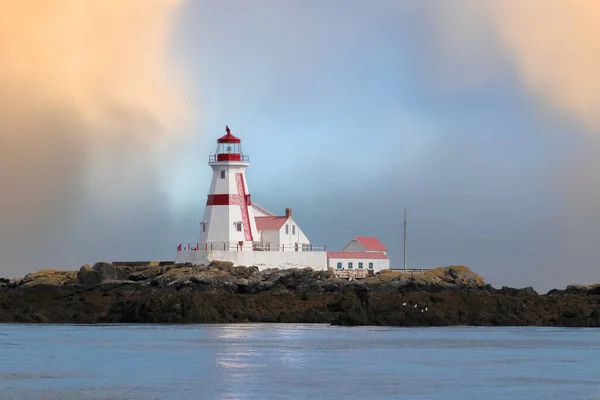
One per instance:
(242,158)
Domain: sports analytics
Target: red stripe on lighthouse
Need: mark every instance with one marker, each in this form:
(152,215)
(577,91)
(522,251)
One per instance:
(224,200)
(240,199)
(239,178)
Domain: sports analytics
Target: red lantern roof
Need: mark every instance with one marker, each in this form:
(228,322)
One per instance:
(229,138)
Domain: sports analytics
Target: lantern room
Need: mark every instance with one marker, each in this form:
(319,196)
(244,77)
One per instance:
(229,148)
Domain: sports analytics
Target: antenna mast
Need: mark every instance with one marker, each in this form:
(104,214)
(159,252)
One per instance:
(405,239)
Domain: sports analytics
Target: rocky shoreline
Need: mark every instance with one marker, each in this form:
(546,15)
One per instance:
(219,292)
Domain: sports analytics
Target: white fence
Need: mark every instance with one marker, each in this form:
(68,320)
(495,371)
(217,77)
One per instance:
(244,246)
(410,270)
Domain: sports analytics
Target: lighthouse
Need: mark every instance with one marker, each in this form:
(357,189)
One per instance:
(236,229)
(228,222)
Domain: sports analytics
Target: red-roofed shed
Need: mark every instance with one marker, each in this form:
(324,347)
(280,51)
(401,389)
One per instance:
(360,243)
(372,255)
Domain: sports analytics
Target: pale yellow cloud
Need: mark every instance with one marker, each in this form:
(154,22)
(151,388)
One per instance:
(77,76)
(552,45)
(555,46)
(92,56)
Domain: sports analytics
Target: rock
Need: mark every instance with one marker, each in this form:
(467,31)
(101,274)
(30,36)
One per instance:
(453,273)
(14,283)
(147,274)
(528,291)
(331,285)
(88,276)
(222,265)
(575,289)
(435,280)
(108,271)
(253,286)
(594,290)
(47,277)
(578,290)
(278,289)
(243,272)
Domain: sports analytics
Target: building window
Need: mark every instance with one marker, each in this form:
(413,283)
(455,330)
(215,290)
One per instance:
(238,226)
(293,229)
(204,227)
(340,266)
(360,265)
(350,265)
(370,265)
(222,174)
(304,247)
(287,229)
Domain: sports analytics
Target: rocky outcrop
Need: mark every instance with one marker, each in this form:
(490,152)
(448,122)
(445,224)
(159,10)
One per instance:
(435,280)
(577,290)
(223,276)
(219,292)
(46,277)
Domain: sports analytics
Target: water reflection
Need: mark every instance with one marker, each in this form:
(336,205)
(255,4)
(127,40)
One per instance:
(248,351)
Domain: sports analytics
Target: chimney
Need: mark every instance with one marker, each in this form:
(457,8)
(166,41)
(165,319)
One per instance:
(288,212)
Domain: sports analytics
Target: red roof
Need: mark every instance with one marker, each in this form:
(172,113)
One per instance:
(228,138)
(371,243)
(269,223)
(377,255)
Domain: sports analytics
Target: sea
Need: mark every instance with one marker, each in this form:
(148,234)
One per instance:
(296,361)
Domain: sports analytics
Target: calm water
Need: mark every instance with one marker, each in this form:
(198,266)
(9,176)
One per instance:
(260,361)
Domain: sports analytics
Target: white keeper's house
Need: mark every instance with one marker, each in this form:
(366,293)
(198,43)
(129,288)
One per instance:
(236,229)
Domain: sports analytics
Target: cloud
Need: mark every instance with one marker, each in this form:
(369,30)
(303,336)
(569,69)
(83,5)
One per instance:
(555,47)
(552,46)
(90,97)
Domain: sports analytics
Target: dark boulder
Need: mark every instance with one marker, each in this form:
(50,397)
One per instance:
(88,276)
(594,290)
(528,291)
(108,271)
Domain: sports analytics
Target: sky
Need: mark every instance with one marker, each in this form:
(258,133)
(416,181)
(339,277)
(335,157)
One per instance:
(480,118)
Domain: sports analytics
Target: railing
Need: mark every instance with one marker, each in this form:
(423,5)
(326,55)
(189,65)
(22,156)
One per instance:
(411,270)
(244,246)
(352,273)
(223,157)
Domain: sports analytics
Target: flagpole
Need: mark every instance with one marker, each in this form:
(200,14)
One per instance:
(405,239)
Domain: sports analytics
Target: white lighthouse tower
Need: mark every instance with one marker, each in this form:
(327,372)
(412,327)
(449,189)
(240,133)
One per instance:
(228,222)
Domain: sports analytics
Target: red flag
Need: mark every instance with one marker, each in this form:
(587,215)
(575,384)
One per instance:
(179,248)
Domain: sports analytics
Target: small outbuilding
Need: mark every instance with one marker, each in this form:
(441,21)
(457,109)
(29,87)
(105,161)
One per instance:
(360,257)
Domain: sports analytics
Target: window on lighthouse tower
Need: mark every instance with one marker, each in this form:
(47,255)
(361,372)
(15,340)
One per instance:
(223,174)
(238,226)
